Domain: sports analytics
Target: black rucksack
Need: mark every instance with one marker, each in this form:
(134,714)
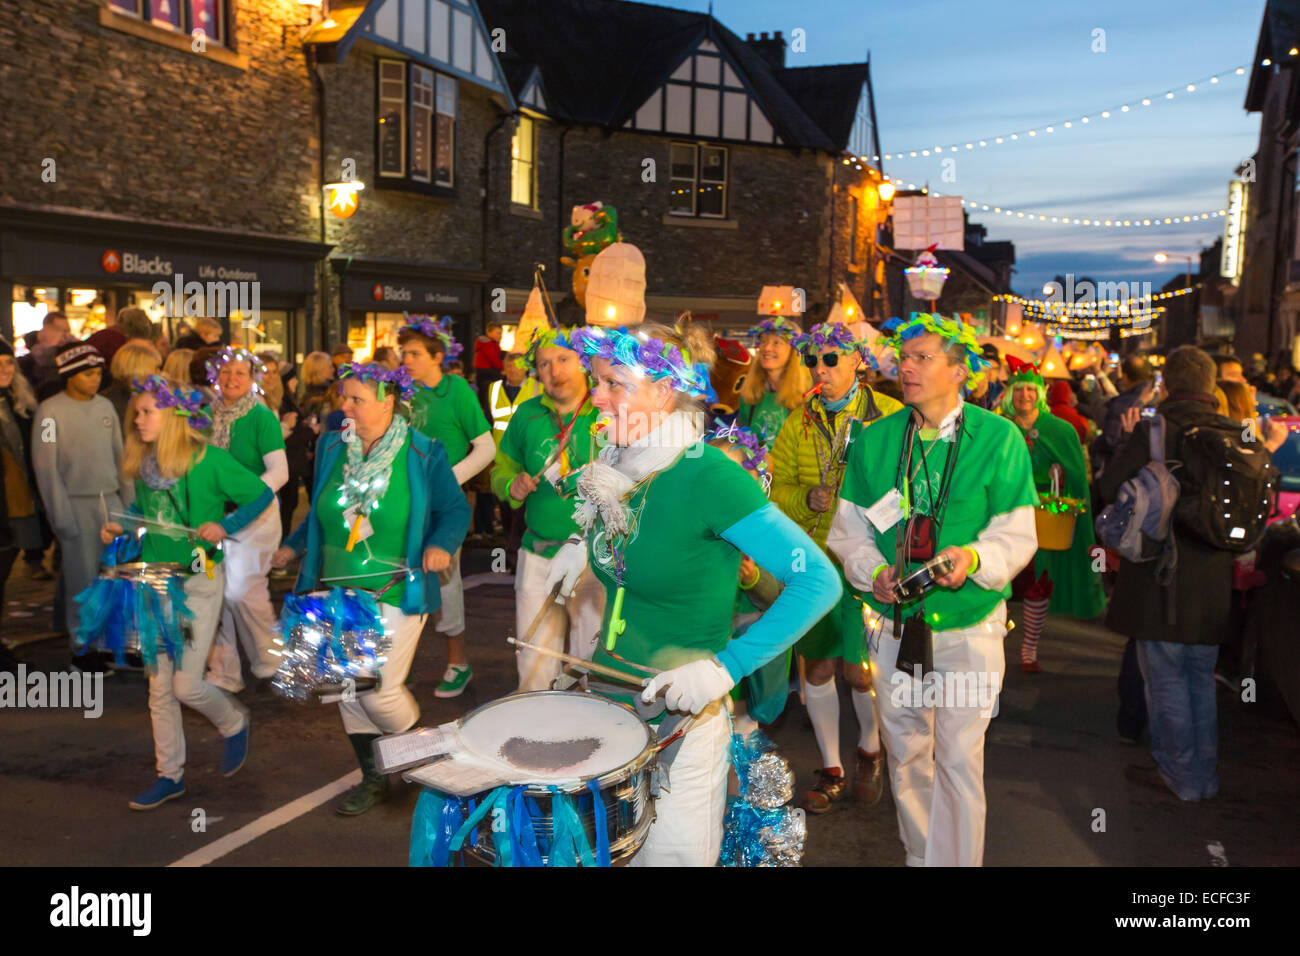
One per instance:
(1228,486)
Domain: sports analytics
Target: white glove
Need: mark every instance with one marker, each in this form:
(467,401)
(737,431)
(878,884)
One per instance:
(567,566)
(691,687)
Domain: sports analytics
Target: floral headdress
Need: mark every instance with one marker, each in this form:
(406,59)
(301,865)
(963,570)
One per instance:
(827,335)
(751,446)
(547,338)
(399,378)
(185,402)
(953,331)
(233,353)
(1023,373)
(440,329)
(653,358)
(776,325)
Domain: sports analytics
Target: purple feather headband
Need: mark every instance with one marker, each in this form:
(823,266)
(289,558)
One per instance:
(441,329)
(778,325)
(823,336)
(235,354)
(399,378)
(186,402)
(653,358)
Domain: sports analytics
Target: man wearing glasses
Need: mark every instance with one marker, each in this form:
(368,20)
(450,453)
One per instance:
(950,480)
(807,468)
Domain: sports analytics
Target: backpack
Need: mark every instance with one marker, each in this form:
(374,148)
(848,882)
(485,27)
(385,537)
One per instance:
(1136,524)
(1228,487)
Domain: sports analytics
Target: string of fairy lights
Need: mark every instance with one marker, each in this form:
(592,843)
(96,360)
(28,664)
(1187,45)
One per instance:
(1081,122)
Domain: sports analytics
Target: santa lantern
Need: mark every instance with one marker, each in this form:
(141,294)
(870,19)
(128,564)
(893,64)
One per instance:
(927,277)
(616,286)
(778,300)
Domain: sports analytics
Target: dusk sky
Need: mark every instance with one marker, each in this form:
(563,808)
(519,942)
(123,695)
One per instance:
(951,71)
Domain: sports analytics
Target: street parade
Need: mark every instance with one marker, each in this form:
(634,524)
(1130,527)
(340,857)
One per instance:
(569,433)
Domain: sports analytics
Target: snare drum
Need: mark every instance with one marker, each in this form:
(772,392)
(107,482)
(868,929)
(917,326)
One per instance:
(334,642)
(567,740)
(132,605)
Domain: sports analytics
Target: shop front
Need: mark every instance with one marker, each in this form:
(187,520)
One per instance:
(261,288)
(376,296)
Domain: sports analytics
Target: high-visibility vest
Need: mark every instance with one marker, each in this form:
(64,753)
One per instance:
(502,408)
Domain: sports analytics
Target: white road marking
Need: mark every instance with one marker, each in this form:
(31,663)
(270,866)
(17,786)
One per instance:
(268,822)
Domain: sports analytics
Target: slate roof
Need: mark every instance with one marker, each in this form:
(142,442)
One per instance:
(1279,33)
(601,59)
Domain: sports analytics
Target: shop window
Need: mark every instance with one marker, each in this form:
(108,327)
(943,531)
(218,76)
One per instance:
(698,181)
(416,118)
(181,16)
(523,163)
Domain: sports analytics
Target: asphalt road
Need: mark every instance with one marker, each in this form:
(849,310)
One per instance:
(1053,762)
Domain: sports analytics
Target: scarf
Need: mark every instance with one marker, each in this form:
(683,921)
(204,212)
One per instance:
(364,479)
(839,406)
(223,416)
(152,475)
(605,483)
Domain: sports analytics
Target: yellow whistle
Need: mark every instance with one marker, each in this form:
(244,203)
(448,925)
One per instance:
(209,566)
(355,535)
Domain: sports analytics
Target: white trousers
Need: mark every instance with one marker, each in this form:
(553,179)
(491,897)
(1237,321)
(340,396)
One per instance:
(246,615)
(578,620)
(391,709)
(452,619)
(936,753)
(169,687)
(687,830)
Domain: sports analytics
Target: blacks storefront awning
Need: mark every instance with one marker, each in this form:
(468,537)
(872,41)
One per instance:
(376,285)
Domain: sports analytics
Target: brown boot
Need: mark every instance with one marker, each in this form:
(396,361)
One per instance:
(829,789)
(869,778)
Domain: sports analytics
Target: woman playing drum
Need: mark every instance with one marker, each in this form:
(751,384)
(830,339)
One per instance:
(182,482)
(666,519)
(385,508)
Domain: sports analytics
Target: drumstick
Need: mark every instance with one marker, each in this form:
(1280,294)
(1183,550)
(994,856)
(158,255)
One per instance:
(546,606)
(579,662)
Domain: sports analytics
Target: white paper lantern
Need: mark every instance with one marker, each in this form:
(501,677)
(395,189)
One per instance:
(778,300)
(616,286)
(927,277)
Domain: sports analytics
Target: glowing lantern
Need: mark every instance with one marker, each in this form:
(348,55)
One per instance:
(342,198)
(616,286)
(1053,364)
(533,319)
(927,277)
(779,300)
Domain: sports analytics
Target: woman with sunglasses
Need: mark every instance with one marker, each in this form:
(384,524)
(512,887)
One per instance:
(776,382)
(665,520)
(807,469)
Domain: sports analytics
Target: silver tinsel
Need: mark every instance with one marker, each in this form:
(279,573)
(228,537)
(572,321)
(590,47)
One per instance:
(783,841)
(771,783)
(305,673)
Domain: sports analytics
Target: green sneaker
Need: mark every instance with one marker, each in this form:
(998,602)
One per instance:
(454,681)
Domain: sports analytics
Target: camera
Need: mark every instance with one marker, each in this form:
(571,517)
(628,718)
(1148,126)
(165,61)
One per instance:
(922,579)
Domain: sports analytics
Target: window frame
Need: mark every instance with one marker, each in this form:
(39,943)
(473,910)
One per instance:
(699,180)
(530,162)
(410,179)
(144,13)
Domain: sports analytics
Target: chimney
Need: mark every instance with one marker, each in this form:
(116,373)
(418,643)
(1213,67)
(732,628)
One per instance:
(770,47)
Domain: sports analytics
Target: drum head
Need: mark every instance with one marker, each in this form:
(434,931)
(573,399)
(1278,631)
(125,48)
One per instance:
(553,737)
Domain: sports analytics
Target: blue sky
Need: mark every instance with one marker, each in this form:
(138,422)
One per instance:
(952,71)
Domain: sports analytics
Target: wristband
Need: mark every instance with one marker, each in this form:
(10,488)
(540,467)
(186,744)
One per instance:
(975,561)
(758,573)
(876,573)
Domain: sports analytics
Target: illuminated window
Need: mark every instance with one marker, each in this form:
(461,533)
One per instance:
(523,163)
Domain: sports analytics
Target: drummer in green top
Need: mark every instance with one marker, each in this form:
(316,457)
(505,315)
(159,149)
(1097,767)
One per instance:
(445,408)
(182,482)
(665,519)
(776,387)
(549,438)
(245,427)
(939,478)
(386,515)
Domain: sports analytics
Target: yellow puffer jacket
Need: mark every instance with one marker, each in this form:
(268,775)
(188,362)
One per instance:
(802,445)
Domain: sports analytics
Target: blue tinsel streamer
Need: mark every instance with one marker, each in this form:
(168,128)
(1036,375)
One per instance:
(742,845)
(339,611)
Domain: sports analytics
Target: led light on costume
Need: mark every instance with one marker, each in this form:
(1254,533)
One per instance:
(366,478)
(256,368)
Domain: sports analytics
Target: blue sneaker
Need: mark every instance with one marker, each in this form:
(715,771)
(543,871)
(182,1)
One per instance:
(234,751)
(163,789)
